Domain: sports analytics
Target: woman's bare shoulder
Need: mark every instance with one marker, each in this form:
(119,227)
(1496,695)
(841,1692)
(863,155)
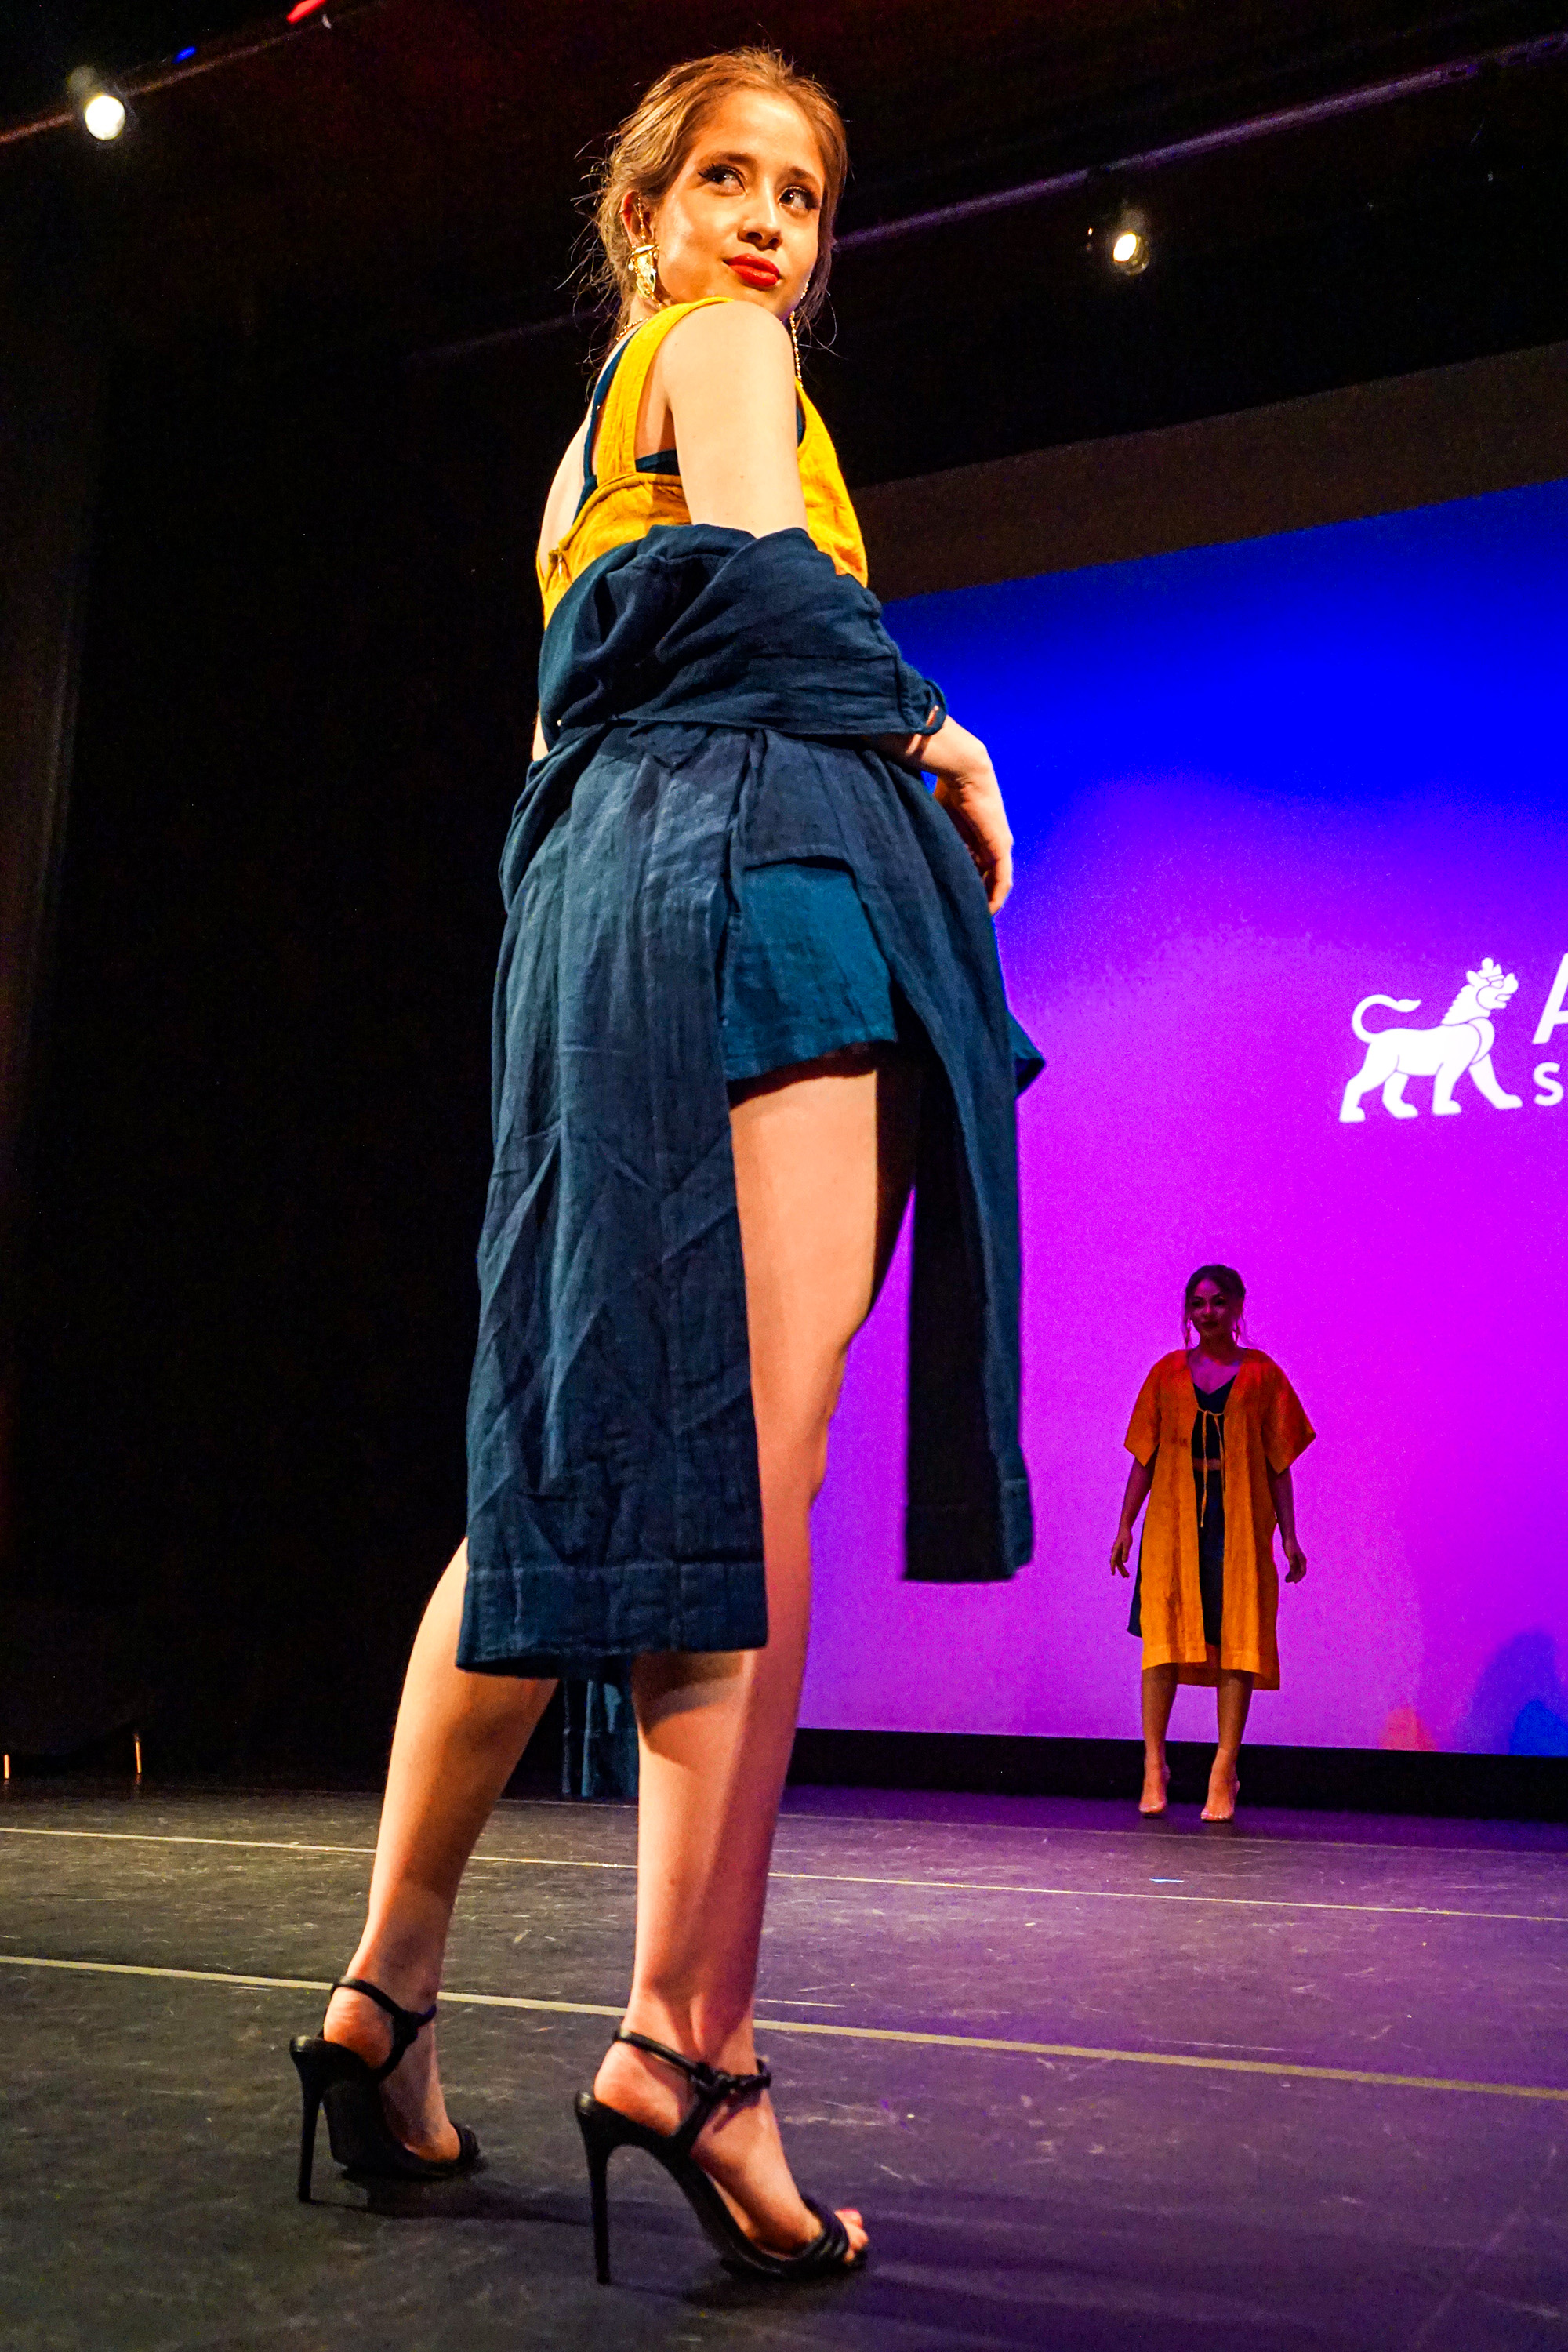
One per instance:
(730,349)
(561,504)
(727,330)
(723,388)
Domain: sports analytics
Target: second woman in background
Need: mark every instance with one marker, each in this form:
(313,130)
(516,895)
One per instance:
(1214,1432)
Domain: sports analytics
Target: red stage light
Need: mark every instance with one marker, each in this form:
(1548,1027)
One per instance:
(303,9)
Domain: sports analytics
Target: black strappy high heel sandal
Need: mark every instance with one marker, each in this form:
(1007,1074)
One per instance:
(605,2130)
(349,2087)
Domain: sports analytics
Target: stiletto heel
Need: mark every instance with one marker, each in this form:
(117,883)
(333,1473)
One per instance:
(606,2128)
(308,2133)
(596,2146)
(349,2087)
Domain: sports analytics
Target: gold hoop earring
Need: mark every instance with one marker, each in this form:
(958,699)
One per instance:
(644,258)
(794,344)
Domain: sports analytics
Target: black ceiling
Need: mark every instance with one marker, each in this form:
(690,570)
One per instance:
(43,41)
(408,173)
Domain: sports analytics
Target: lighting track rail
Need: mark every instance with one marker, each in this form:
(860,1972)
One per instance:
(209,60)
(1519,55)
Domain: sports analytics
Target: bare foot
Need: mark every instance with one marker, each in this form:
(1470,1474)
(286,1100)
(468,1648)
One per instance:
(1224,1790)
(741,2150)
(1157,1787)
(411,2095)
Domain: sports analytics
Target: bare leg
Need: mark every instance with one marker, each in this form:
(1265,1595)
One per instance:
(456,1744)
(1159,1697)
(1235,1697)
(823,1162)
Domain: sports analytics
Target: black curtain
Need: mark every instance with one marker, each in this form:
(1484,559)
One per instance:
(263,1136)
(65,1669)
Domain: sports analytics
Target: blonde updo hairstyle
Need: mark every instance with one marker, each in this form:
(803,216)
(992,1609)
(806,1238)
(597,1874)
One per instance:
(654,141)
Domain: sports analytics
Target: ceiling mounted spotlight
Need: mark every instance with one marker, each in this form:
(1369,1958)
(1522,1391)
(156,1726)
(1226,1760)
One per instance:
(102,109)
(1123,241)
(1130,247)
(104,114)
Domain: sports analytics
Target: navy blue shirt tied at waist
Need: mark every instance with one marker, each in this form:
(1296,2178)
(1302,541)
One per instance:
(706,699)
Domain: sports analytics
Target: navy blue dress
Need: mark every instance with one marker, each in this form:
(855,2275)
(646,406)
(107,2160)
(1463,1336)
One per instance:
(706,699)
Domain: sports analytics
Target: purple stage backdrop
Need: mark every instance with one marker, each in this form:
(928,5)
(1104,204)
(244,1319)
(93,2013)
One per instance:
(1255,787)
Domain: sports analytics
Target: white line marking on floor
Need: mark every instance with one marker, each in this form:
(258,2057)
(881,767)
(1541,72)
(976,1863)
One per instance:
(994,2044)
(854,1878)
(1252,1832)
(1138,1895)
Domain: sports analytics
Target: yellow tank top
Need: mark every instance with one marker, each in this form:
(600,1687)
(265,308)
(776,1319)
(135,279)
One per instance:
(624,504)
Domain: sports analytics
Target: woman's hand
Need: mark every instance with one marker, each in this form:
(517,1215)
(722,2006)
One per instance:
(1284,1494)
(967,788)
(1121,1551)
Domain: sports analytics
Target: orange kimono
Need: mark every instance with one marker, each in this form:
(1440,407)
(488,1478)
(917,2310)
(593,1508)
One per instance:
(1264,1429)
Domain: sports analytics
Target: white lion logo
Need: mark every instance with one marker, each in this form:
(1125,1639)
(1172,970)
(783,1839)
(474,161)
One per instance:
(1462,1041)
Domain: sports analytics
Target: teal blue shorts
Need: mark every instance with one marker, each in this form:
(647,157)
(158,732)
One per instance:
(801,974)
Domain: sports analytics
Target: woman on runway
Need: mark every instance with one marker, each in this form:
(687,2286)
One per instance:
(748,994)
(1214,1432)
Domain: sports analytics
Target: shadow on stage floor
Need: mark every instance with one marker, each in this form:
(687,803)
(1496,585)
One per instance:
(1096,2082)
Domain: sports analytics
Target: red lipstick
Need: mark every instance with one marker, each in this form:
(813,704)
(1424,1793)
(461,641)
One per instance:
(752,269)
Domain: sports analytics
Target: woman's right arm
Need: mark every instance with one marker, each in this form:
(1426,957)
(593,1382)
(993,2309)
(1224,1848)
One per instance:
(728,374)
(1139,1478)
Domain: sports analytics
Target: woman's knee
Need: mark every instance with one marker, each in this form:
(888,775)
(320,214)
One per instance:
(792,1456)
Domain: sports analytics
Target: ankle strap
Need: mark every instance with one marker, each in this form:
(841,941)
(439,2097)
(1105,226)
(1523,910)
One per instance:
(710,2088)
(407,2024)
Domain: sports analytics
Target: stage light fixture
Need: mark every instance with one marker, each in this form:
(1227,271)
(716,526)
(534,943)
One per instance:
(1128,242)
(104,115)
(102,109)
(1119,237)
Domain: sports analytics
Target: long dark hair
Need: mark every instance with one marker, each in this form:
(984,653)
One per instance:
(1230,1287)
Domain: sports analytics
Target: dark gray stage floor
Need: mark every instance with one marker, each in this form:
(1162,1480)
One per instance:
(1095,2083)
